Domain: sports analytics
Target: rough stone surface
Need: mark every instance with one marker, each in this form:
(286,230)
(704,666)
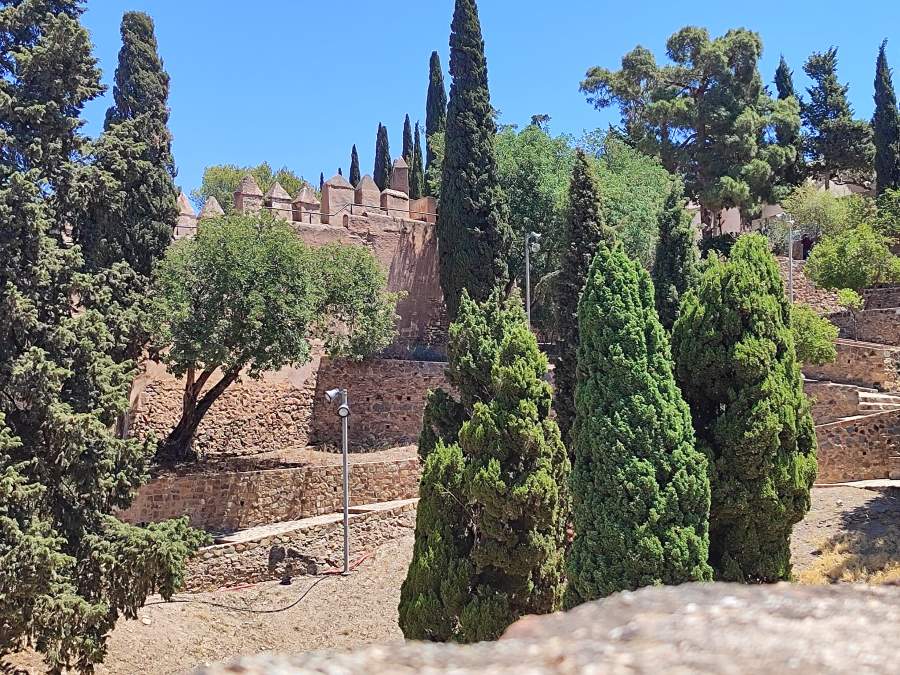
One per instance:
(387,398)
(863,364)
(858,448)
(830,401)
(395,203)
(230,501)
(805,291)
(870,325)
(694,628)
(882,297)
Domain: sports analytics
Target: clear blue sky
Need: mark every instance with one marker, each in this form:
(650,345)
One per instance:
(297,82)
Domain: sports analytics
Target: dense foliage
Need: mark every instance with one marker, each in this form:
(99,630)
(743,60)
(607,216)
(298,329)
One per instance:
(853,258)
(837,146)
(435,115)
(354,167)
(814,336)
(792,172)
(737,368)
(417,168)
(886,127)
(675,268)
(584,231)
(68,568)
(407,141)
(639,486)
(472,227)
(703,115)
(383,165)
(245,296)
(489,544)
(221,180)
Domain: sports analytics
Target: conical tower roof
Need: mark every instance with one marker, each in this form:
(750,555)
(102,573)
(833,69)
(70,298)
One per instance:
(277,193)
(211,209)
(249,186)
(184,205)
(306,196)
(338,181)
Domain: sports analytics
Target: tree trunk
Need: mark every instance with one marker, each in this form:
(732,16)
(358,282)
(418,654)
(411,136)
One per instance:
(179,444)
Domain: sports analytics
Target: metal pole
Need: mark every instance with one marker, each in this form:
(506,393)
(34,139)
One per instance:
(528,278)
(345,423)
(791,260)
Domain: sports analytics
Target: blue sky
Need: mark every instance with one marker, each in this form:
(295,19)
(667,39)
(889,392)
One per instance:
(297,82)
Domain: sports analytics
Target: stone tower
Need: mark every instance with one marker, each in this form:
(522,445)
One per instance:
(248,198)
(367,194)
(337,200)
(400,176)
(211,209)
(279,201)
(306,206)
(186,225)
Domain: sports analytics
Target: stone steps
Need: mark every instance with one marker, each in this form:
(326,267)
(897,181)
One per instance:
(894,467)
(878,401)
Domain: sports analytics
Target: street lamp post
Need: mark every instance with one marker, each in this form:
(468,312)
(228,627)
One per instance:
(344,414)
(790,246)
(532,245)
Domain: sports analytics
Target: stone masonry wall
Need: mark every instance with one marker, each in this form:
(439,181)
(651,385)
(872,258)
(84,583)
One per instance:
(805,291)
(234,501)
(872,325)
(859,448)
(862,364)
(831,402)
(293,552)
(882,298)
(250,416)
(387,400)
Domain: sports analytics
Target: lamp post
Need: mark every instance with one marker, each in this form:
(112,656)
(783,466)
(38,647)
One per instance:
(788,219)
(532,245)
(344,414)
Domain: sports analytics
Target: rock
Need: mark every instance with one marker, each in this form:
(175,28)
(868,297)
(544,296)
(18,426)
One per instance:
(694,628)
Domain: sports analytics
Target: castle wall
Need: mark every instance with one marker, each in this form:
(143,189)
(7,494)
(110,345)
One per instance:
(870,325)
(862,364)
(831,402)
(859,448)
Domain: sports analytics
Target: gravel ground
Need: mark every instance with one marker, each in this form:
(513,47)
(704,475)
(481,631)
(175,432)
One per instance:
(347,612)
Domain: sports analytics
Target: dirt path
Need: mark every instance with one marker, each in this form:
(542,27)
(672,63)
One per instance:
(345,612)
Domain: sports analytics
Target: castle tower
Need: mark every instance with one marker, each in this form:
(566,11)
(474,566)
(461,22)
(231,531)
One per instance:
(186,225)
(400,176)
(367,195)
(279,201)
(248,198)
(306,206)
(337,200)
(211,209)
(396,203)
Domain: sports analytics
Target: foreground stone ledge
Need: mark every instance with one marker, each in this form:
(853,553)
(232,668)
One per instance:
(695,628)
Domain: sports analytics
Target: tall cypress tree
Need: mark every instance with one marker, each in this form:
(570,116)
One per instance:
(416,168)
(585,229)
(407,141)
(787,136)
(321,181)
(837,144)
(129,190)
(473,233)
(639,486)
(886,127)
(675,265)
(737,368)
(435,106)
(69,568)
(382,172)
(354,167)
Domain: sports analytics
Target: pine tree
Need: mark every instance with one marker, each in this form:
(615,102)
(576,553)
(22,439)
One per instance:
(129,189)
(886,127)
(473,233)
(435,106)
(407,141)
(416,169)
(837,144)
(70,568)
(382,172)
(585,229)
(675,265)
(491,523)
(737,368)
(354,167)
(639,486)
(787,135)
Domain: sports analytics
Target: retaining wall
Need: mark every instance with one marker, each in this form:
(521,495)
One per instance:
(858,448)
(830,401)
(387,399)
(871,325)
(882,298)
(234,501)
(863,364)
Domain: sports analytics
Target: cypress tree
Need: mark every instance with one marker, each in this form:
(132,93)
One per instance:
(788,136)
(639,485)
(491,524)
(407,141)
(737,368)
(321,181)
(675,266)
(129,189)
(886,127)
(473,233)
(435,106)
(584,230)
(354,167)
(416,169)
(837,143)
(382,173)
(69,568)
(340,171)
